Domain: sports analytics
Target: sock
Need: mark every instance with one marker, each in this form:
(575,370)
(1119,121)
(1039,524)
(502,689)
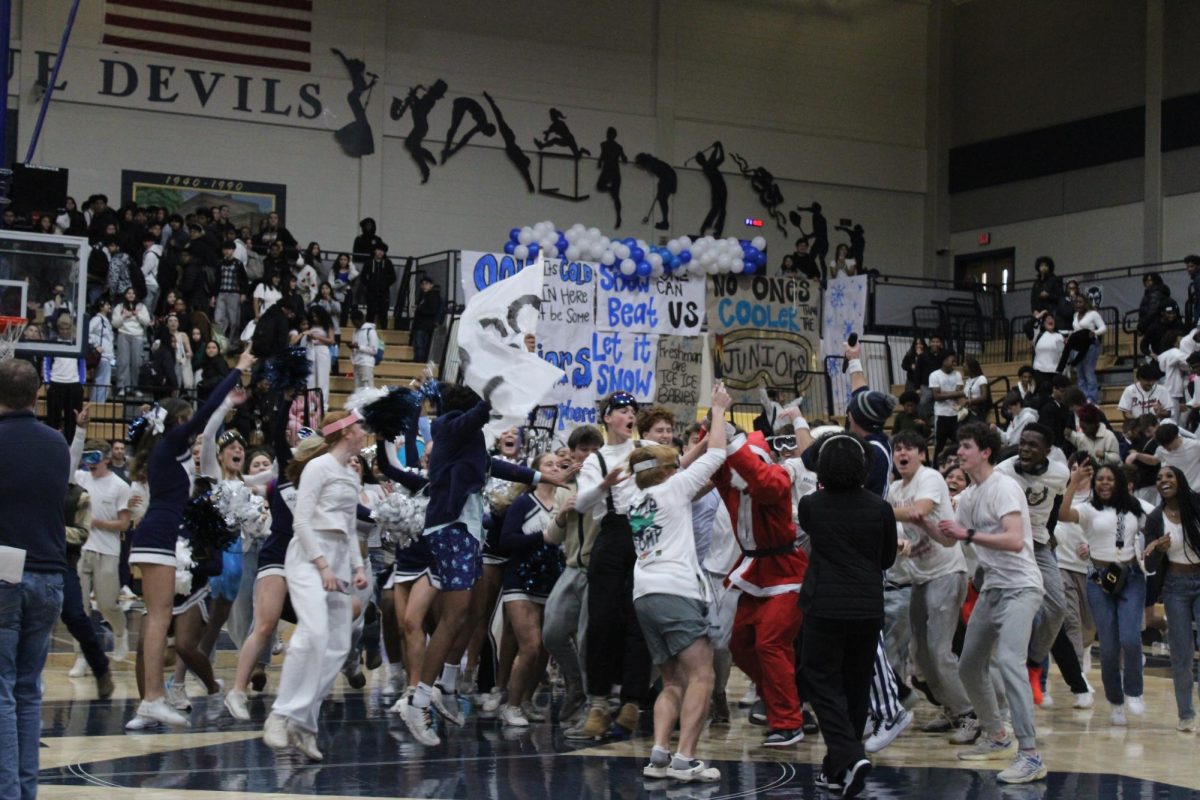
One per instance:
(449,679)
(598,701)
(660,756)
(680,761)
(423,696)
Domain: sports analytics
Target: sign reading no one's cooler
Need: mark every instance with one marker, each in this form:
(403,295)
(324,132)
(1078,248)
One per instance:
(764,329)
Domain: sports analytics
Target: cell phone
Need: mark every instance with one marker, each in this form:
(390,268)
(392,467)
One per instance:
(342,586)
(851,340)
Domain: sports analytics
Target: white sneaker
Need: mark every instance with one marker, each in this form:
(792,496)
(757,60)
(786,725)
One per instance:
(121,647)
(1117,717)
(1186,725)
(140,723)
(966,730)
(446,704)
(278,647)
(275,732)
(79,669)
(887,731)
(1084,700)
(531,712)
(1047,700)
(215,702)
(512,717)
(235,703)
(397,708)
(491,701)
(696,772)
(160,711)
(420,724)
(750,697)
(304,741)
(177,697)
(1137,706)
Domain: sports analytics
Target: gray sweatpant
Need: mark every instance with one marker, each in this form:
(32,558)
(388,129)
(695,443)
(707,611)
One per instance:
(934,614)
(1078,623)
(564,629)
(228,314)
(897,631)
(1000,625)
(1050,617)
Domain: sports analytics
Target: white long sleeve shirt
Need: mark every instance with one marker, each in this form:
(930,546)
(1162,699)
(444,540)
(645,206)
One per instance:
(1089,321)
(131,323)
(591,493)
(327,505)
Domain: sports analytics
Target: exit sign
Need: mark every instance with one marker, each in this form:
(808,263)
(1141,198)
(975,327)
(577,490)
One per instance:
(984,239)
(751,222)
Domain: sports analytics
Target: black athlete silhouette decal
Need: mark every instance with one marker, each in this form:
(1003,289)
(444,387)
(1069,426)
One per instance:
(559,135)
(710,161)
(858,243)
(818,240)
(612,156)
(513,150)
(764,185)
(463,107)
(668,182)
(356,137)
(420,101)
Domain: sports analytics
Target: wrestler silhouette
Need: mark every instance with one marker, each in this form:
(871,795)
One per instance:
(515,154)
(668,182)
(559,135)
(858,243)
(612,156)
(420,105)
(356,138)
(710,162)
(462,107)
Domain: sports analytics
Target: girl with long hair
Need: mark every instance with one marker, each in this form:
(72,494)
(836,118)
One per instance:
(1173,556)
(159,457)
(1117,591)
(1086,329)
(323,562)
(317,339)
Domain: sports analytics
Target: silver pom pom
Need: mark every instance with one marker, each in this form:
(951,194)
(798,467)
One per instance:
(183,566)
(402,515)
(241,508)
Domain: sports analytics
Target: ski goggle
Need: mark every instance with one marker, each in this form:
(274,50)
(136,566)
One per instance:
(229,437)
(304,432)
(91,458)
(780,443)
(621,400)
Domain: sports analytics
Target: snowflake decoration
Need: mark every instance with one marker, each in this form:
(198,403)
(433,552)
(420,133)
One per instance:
(848,326)
(837,297)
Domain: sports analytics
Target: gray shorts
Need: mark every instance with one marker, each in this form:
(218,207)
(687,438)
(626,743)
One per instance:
(670,624)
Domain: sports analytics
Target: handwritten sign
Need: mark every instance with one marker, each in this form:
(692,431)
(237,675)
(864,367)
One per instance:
(845,309)
(624,361)
(763,328)
(677,372)
(667,304)
(569,347)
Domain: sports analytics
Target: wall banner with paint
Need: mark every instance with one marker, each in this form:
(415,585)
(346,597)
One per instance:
(845,309)
(678,373)
(670,304)
(764,329)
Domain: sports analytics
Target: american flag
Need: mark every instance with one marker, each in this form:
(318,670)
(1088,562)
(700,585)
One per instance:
(275,34)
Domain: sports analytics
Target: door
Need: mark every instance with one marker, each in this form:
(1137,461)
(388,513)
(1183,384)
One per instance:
(991,269)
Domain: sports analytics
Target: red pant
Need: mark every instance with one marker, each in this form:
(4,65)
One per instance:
(763,647)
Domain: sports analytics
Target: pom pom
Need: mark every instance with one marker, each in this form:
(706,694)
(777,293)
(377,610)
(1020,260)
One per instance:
(208,529)
(402,516)
(387,413)
(183,566)
(288,371)
(241,508)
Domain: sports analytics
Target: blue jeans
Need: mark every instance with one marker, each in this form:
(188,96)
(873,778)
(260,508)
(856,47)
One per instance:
(1119,627)
(420,343)
(102,381)
(1089,384)
(1181,599)
(28,611)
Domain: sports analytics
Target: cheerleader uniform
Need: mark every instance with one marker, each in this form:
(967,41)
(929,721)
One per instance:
(413,558)
(493,523)
(533,564)
(170,483)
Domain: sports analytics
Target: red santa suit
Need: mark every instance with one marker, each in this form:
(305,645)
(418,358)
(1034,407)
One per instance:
(758,495)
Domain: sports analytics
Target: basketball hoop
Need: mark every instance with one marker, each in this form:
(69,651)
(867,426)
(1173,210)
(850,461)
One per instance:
(11,329)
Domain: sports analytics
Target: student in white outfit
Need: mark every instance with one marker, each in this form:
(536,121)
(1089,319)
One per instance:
(1145,395)
(322,561)
(364,345)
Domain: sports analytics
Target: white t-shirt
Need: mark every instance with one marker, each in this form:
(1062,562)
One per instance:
(723,550)
(1135,401)
(1175,369)
(1090,321)
(661,518)
(110,496)
(928,558)
(1180,552)
(947,382)
(981,506)
(1047,350)
(1100,528)
(366,345)
(1186,457)
(1040,492)
(974,388)
(267,295)
(1069,536)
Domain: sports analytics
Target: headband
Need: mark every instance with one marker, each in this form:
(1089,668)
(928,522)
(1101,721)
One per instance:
(344,422)
(642,466)
(857,443)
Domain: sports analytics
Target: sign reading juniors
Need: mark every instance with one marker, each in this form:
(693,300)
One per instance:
(763,329)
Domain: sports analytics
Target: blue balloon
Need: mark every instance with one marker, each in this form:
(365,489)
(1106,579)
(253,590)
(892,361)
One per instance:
(676,262)
(684,256)
(514,235)
(750,268)
(643,268)
(533,252)
(509,246)
(761,260)
(637,253)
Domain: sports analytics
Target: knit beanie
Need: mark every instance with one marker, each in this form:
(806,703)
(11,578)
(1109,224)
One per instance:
(872,409)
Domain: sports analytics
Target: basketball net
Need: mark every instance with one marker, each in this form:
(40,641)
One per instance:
(11,329)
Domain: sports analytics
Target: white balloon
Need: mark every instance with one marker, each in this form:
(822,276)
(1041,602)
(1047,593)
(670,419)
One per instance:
(759,243)
(593,232)
(573,252)
(656,270)
(521,252)
(673,247)
(595,251)
(551,252)
(628,267)
(685,242)
(607,258)
(604,241)
(737,267)
(724,262)
(712,269)
(654,259)
(622,251)
(708,258)
(525,236)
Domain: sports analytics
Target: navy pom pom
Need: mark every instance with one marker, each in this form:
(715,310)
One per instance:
(289,370)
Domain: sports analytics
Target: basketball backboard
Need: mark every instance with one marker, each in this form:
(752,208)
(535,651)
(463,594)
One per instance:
(31,266)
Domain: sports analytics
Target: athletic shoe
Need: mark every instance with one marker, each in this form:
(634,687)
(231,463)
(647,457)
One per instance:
(571,704)
(140,723)
(275,732)
(491,702)
(655,772)
(258,678)
(304,741)
(1137,706)
(79,669)
(1117,717)
(825,784)
(397,708)
(120,647)
(531,712)
(856,778)
(598,721)
(1084,700)
(1186,725)
(784,738)
(235,703)
(278,647)
(511,716)
(177,696)
(887,732)
(420,724)
(696,772)
(372,658)
(810,724)
(354,675)
(104,685)
(758,712)
(942,723)
(214,702)
(1035,683)
(988,749)
(749,698)
(1047,700)
(397,680)
(1025,768)
(923,687)
(446,704)
(627,717)
(720,709)
(966,730)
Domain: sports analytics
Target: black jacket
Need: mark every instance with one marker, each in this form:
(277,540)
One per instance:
(1057,418)
(378,276)
(853,537)
(1053,286)
(428,313)
(271,333)
(927,362)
